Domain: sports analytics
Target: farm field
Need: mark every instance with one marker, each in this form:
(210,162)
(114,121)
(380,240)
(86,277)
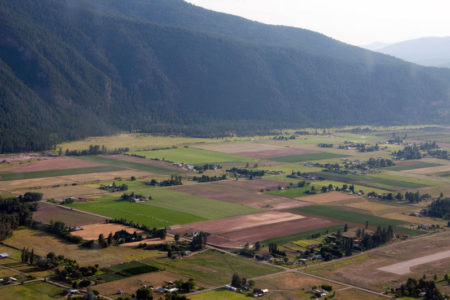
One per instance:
(212,268)
(32,291)
(121,163)
(43,243)
(193,156)
(48,212)
(307,157)
(416,165)
(226,191)
(51,163)
(53,173)
(112,206)
(354,217)
(364,270)
(197,206)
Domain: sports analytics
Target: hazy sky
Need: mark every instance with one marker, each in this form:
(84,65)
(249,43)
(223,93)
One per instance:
(356,22)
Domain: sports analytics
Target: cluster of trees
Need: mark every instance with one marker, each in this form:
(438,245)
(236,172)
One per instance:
(206,167)
(205,178)
(62,231)
(93,150)
(15,212)
(246,172)
(439,208)
(324,145)
(411,197)
(408,152)
(132,196)
(442,154)
(114,187)
(174,180)
(119,237)
(151,232)
(423,289)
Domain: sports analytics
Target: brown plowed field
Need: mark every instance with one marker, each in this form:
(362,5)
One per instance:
(92,231)
(144,161)
(328,197)
(237,231)
(49,212)
(57,163)
(227,191)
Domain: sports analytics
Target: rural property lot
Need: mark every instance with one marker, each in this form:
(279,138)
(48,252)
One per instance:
(226,191)
(92,231)
(365,270)
(405,266)
(50,212)
(52,163)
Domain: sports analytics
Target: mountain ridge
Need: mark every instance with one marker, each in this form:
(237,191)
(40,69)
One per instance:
(75,68)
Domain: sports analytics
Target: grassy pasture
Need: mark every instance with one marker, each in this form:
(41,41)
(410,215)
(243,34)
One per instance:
(53,173)
(193,156)
(195,205)
(354,217)
(307,157)
(214,268)
(419,165)
(32,291)
(151,216)
(129,165)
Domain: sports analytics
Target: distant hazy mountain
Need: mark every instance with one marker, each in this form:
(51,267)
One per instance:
(375,46)
(72,68)
(428,51)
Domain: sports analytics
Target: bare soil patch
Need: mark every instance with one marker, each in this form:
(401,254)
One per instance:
(237,231)
(49,212)
(144,161)
(328,197)
(238,222)
(53,163)
(92,231)
(404,267)
(226,191)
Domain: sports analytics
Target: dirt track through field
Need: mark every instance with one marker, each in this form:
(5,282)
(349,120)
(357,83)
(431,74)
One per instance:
(403,268)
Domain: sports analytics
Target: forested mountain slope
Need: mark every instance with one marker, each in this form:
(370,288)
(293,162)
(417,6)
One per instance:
(72,68)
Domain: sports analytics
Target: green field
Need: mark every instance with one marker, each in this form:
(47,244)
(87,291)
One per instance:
(151,216)
(129,165)
(193,156)
(306,157)
(291,192)
(32,291)
(382,181)
(52,173)
(214,268)
(219,295)
(354,217)
(419,165)
(303,235)
(197,206)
